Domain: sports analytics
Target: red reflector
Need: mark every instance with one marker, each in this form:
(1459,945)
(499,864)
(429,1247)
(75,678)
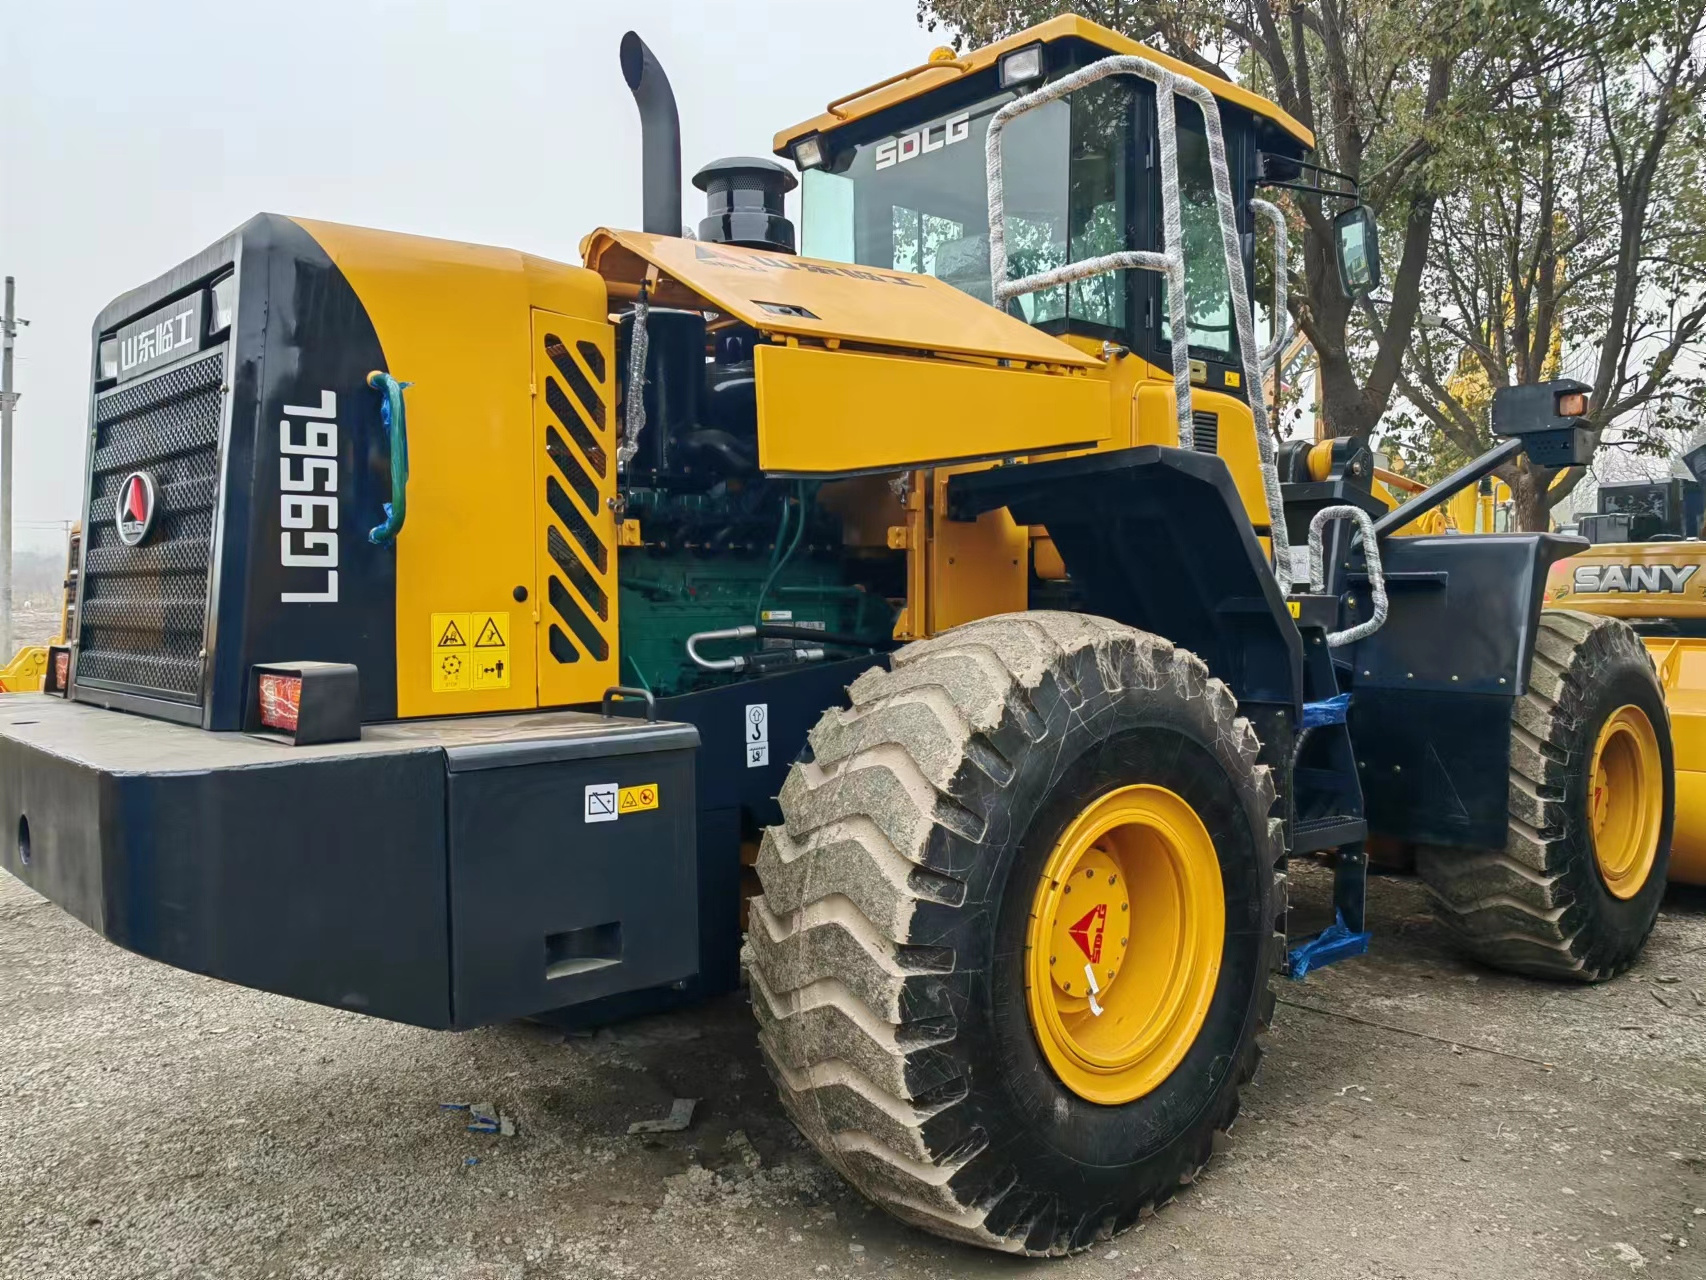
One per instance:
(62,669)
(281,701)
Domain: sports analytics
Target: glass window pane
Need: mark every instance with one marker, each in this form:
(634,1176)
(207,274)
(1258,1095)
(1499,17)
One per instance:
(1098,197)
(826,216)
(1207,287)
(917,201)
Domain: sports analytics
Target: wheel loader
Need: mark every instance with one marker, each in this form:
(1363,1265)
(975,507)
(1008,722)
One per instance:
(1644,567)
(464,635)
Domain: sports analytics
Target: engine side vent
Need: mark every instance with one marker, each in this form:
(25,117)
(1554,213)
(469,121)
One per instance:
(1205,428)
(575,424)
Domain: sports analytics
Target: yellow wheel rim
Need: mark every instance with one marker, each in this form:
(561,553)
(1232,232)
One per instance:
(1124,943)
(1626,800)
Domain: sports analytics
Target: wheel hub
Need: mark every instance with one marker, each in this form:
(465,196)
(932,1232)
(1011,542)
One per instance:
(1626,801)
(1124,943)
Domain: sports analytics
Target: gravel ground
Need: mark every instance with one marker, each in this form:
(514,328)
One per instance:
(1416,1117)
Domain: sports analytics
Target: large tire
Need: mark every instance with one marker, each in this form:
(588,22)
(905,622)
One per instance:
(887,953)
(1543,905)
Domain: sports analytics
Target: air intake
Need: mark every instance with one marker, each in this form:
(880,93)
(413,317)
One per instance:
(743,201)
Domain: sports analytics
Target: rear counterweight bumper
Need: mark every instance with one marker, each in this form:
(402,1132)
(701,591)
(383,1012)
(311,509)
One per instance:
(441,873)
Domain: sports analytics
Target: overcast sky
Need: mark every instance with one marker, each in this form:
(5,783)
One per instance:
(133,135)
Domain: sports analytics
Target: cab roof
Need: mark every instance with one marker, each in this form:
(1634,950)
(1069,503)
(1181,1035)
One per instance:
(935,74)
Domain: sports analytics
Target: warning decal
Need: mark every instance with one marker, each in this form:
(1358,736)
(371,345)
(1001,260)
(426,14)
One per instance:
(634,799)
(452,667)
(757,734)
(457,665)
(1087,933)
(601,802)
(491,650)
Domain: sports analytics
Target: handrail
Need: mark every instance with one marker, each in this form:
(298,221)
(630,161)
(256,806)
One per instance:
(958,65)
(392,415)
(1171,261)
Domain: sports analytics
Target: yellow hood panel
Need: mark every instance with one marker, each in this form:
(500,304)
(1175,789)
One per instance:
(783,294)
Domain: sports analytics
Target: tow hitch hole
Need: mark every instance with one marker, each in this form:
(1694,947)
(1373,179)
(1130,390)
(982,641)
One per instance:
(23,840)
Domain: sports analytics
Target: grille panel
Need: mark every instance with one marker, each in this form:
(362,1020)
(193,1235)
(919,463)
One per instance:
(142,614)
(1205,431)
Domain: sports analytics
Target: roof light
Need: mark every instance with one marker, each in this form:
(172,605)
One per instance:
(1572,404)
(808,152)
(1021,66)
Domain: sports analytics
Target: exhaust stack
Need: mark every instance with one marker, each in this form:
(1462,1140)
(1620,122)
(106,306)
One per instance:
(660,137)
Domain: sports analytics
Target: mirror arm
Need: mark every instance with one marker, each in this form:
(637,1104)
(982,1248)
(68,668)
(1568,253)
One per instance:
(1352,196)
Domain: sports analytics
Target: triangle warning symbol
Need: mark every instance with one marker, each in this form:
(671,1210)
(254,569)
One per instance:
(452,638)
(490,637)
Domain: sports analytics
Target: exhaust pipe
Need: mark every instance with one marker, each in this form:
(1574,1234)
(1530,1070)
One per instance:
(660,137)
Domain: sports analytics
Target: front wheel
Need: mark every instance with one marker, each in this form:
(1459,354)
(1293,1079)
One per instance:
(1013,950)
(1576,889)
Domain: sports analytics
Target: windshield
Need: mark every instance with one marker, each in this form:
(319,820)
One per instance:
(917,202)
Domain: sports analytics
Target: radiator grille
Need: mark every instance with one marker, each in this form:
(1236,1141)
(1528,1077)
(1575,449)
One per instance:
(1205,431)
(142,611)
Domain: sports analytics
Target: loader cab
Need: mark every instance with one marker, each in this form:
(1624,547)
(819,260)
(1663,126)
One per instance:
(905,187)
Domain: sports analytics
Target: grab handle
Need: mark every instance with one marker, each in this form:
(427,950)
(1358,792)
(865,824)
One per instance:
(396,428)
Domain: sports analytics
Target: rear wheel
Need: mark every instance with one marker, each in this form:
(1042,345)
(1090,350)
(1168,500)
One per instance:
(1576,889)
(1013,949)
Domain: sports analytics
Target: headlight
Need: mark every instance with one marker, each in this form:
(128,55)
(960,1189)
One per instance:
(109,358)
(808,152)
(221,304)
(1021,66)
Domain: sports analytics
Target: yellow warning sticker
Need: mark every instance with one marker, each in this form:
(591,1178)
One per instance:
(634,799)
(470,651)
(491,650)
(1295,607)
(452,668)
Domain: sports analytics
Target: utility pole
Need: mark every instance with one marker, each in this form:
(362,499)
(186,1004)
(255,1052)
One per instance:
(8,398)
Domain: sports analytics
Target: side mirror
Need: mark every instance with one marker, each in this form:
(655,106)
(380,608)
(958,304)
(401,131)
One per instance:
(1358,243)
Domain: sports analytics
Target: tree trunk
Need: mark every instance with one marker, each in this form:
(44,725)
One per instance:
(1531,502)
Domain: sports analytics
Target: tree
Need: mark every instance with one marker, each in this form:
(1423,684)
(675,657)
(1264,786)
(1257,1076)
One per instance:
(1379,83)
(1579,245)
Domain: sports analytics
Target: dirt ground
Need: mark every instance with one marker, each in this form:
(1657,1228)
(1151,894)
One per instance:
(1416,1117)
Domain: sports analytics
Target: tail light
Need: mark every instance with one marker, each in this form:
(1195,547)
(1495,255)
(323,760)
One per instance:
(304,703)
(58,677)
(281,701)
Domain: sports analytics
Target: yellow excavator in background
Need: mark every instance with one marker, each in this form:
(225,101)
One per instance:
(1645,567)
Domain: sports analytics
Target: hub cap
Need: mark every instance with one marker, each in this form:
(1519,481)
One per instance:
(1124,943)
(1626,803)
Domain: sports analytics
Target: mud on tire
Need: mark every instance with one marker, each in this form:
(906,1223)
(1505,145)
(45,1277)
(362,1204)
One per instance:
(886,953)
(1540,906)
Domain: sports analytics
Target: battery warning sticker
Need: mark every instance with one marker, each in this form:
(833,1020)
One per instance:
(470,651)
(606,802)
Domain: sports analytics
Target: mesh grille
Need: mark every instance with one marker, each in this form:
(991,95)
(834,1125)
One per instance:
(143,610)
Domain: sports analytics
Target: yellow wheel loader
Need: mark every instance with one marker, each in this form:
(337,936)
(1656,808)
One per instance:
(37,666)
(1644,568)
(459,630)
